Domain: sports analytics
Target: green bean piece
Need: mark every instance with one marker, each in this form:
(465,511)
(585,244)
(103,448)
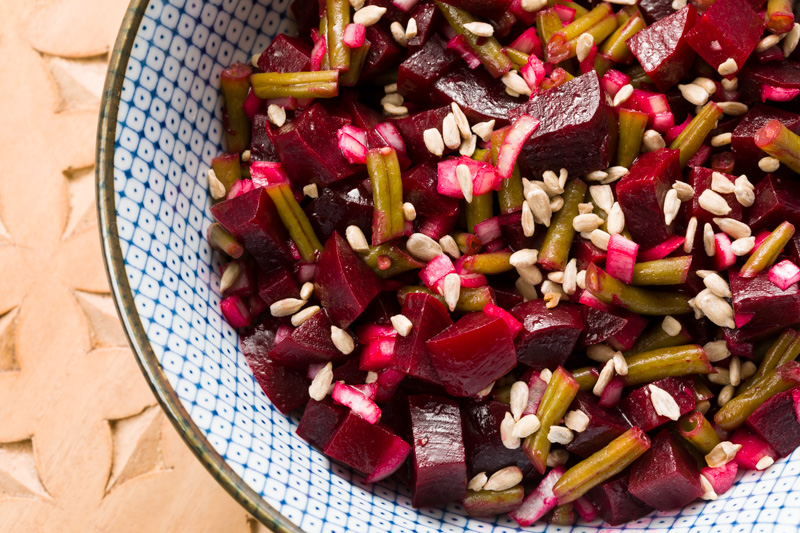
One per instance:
(490,503)
(655,337)
(697,430)
(487,49)
(519,59)
(556,400)
(691,138)
(395,189)
(586,377)
(601,465)
(780,142)
(490,263)
(663,363)
(615,49)
(600,22)
(357,58)
(510,196)
(563,515)
(412,289)
(234,83)
(734,413)
(473,299)
(479,209)
(669,271)
(502,394)
(397,259)
(387,191)
(554,253)
(547,24)
(222,241)
(632,125)
(642,301)
(775,356)
(638,76)
(768,251)
(319,84)
(780,16)
(468,243)
(295,220)
(228,169)
(323,34)
(338,14)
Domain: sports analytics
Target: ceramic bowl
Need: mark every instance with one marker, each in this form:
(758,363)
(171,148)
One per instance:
(159,128)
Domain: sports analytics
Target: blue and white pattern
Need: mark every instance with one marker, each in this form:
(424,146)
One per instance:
(169,129)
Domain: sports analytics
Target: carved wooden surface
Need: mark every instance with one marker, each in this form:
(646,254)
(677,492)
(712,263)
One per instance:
(83,445)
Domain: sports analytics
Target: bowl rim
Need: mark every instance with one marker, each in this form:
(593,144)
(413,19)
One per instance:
(123,296)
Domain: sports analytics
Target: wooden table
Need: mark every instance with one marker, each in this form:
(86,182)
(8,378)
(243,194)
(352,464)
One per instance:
(83,445)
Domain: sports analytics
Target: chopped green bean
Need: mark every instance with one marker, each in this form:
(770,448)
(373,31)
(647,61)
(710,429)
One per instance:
(399,260)
(781,351)
(632,125)
(387,191)
(222,241)
(691,138)
(487,49)
(696,429)
(554,253)
(338,14)
(228,169)
(490,263)
(768,251)
(653,365)
(641,301)
(490,503)
(295,220)
(234,83)
(669,271)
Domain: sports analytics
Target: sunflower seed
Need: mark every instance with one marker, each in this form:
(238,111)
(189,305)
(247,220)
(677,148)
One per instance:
(464,176)
(585,208)
(743,246)
(461,121)
(620,364)
(393,98)
(551,183)
(356,239)
(588,222)
(708,240)
(411,29)
(735,371)
(504,479)
(301,316)
(615,173)
(767,42)
(452,139)
(652,141)
(551,299)
(749,369)
(357,4)
(557,457)
(603,196)
(286,307)
(526,289)
(765,462)
(671,206)
(423,247)
(600,239)
(714,203)
(321,384)
(528,222)
(518,398)
(368,15)
(691,230)
(684,190)
(791,40)
(721,376)
(596,176)
(342,340)
(556,203)
(306,290)
(721,184)
(581,279)
(728,67)
(409,212)
(715,308)
(716,351)
(394,110)
(449,246)
(616,220)
(622,96)
(570,280)
(708,488)
(215,186)
(477,483)
(671,326)
(769,164)
(524,257)
(733,109)
(563,175)
(481,29)
(677,5)
(717,285)
(723,139)
(276,115)
(539,203)
(526,426)
(584,46)
(546,375)
(707,84)
(730,84)
(722,454)
(734,228)
(229,277)
(576,420)
(486,390)
(433,141)
(401,324)
(606,374)
(372,377)
(467,148)
(514,81)
(663,403)
(602,353)
(533,5)
(452,290)
(556,277)
(560,435)
(694,94)
(484,129)
(312,191)
(506,433)
(391,88)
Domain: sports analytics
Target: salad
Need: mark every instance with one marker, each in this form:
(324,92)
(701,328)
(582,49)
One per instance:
(534,256)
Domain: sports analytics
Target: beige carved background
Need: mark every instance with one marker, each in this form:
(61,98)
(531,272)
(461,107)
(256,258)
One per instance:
(83,445)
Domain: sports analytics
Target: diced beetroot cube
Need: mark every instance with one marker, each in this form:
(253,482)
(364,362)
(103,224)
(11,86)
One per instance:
(514,326)
(548,335)
(363,446)
(429,317)
(777,200)
(605,425)
(784,274)
(638,407)
(412,127)
(418,73)
(776,421)
(721,477)
(253,220)
(384,52)
(624,339)
(285,54)
(662,49)
(540,501)
(472,353)
(308,344)
(306,13)
(700,180)
(336,208)
(309,151)
(728,29)
(440,471)
(753,77)
(772,307)
(235,311)
(319,421)
(753,450)
(574,118)
(744,147)
(261,147)
(480,96)
(348,372)
(245,282)
(382,308)
(615,502)
(666,476)
(345,284)
(419,188)
(427,17)
(377,354)
(277,284)
(641,195)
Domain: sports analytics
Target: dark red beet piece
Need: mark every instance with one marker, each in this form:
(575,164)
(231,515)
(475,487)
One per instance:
(773,308)
(285,54)
(599,325)
(319,421)
(605,425)
(485,451)
(548,336)
(427,17)
(429,317)
(728,29)
(440,471)
(309,151)
(666,476)
(384,53)
(480,96)
(785,74)
(253,220)
(419,188)
(615,503)
(777,200)
(506,294)
(491,9)
(245,282)
(638,408)
(349,372)
(472,353)
(306,13)
(641,195)
(744,147)
(662,49)
(514,235)
(365,447)
(382,308)
(625,338)
(574,119)
(654,10)
(339,207)
(308,344)
(776,421)
(277,284)
(261,147)
(418,73)
(345,284)
(411,127)
(700,180)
